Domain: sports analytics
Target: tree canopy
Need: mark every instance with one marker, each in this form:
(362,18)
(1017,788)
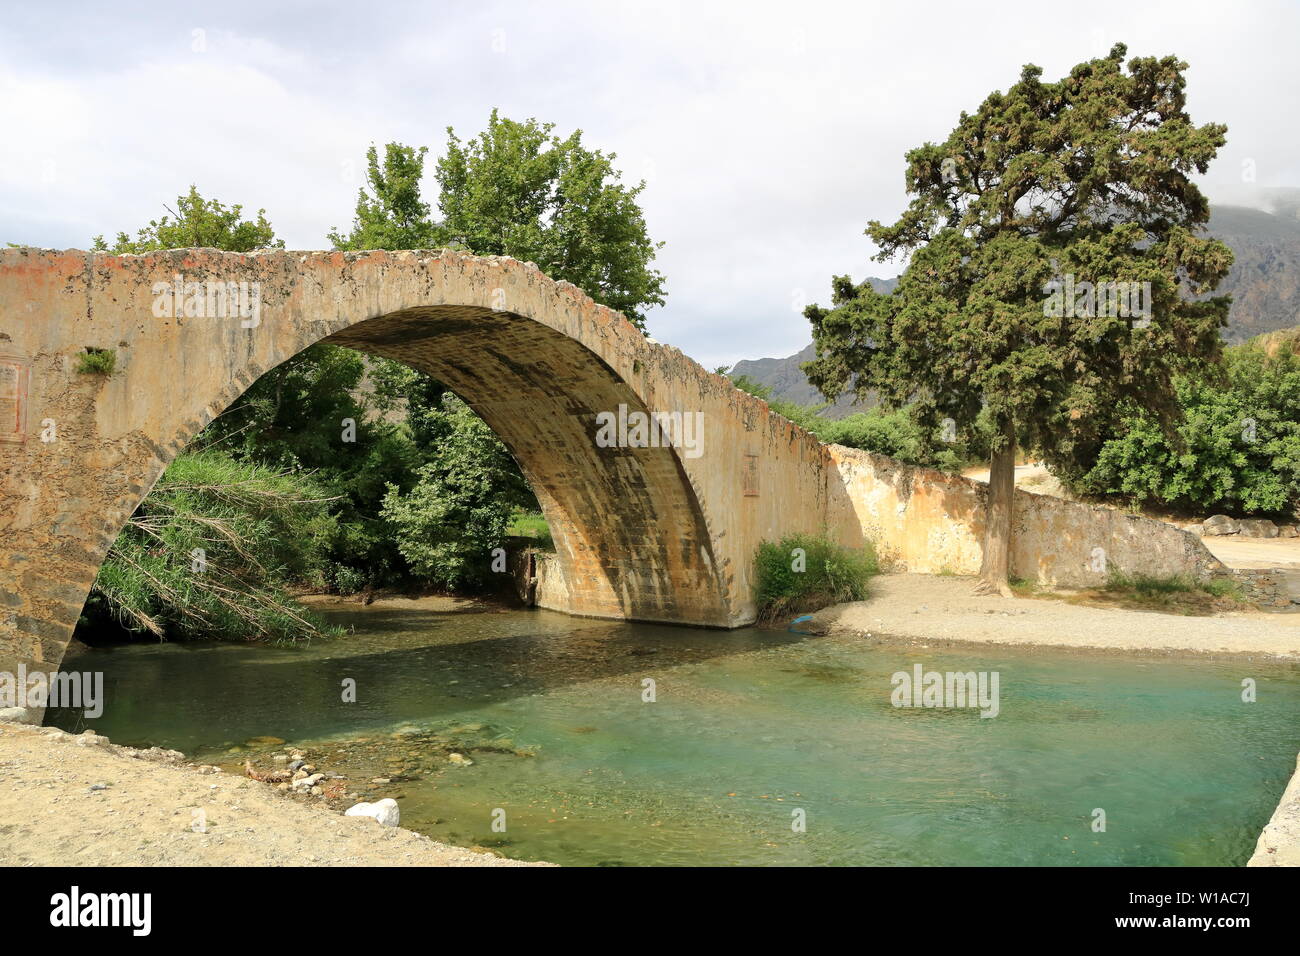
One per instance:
(197,223)
(1058,267)
(517,189)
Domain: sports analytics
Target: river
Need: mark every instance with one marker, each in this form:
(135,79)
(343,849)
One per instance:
(759,746)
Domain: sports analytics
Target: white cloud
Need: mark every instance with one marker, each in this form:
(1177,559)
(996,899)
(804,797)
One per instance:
(769,134)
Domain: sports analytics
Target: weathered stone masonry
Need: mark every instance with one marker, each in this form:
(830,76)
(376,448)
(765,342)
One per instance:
(641,533)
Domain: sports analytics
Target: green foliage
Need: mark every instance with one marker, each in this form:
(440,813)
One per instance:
(804,572)
(199,223)
(519,190)
(211,550)
(1236,449)
(805,416)
(1148,585)
(747,384)
(1171,591)
(531,524)
(896,433)
(1088,176)
(1224,588)
(461,504)
(97,362)
(392,215)
(295,418)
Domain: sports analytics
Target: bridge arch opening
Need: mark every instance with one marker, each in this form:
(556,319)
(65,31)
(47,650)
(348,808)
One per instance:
(631,539)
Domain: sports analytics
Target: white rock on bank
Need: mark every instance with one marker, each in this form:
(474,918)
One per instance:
(385,811)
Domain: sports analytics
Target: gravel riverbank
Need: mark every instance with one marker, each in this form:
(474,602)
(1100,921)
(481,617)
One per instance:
(937,610)
(79,800)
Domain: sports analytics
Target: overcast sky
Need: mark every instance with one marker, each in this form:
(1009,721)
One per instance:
(768,134)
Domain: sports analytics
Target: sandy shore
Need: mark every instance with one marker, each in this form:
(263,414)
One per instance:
(939,610)
(144,815)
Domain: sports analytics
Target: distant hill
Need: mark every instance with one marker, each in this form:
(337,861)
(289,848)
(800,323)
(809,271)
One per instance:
(1264,284)
(787,381)
(1279,341)
(1265,277)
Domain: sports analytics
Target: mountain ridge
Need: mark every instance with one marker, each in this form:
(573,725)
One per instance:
(1264,282)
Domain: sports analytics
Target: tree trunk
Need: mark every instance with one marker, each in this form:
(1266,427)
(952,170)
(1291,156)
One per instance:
(995,572)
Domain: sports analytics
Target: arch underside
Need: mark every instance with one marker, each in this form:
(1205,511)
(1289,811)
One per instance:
(629,533)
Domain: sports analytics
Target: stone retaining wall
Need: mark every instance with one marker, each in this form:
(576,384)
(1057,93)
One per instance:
(1264,587)
(926,521)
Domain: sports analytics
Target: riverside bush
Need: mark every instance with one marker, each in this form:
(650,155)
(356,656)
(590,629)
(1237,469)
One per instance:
(212,552)
(803,572)
(1236,449)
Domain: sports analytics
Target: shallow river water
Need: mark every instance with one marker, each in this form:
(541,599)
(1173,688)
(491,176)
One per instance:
(749,733)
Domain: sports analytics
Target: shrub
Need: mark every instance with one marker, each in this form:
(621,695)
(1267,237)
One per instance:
(97,362)
(1224,588)
(1173,593)
(1237,448)
(347,580)
(803,572)
(1148,585)
(458,511)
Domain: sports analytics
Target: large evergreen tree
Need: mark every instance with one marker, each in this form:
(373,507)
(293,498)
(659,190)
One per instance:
(1042,190)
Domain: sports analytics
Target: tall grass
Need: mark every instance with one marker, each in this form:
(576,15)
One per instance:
(212,552)
(1164,587)
(531,524)
(804,572)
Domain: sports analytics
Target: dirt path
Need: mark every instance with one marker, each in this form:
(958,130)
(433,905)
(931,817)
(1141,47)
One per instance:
(1031,477)
(943,609)
(144,816)
(1238,552)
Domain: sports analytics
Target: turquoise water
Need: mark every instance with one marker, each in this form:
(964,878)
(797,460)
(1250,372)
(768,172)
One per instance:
(747,728)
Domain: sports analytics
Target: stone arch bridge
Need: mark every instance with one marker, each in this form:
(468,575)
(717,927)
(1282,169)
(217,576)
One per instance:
(655,533)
